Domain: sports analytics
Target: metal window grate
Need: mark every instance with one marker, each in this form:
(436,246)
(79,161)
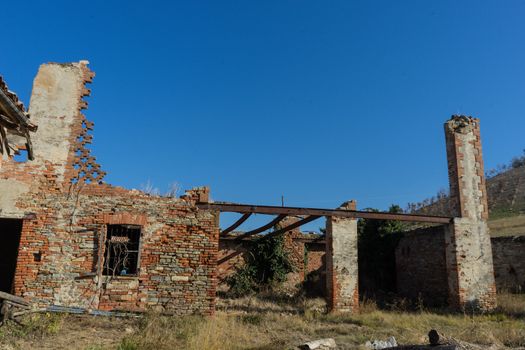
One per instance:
(122,250)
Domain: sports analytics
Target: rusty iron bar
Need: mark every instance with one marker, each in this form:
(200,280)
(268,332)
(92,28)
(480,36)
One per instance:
(292,226)
(294,211)
(269,225)
(318,240)
(236,224)
(230,256)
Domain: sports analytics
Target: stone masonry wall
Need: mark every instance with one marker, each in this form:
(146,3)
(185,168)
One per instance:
(66,208)
(421,265)
(421,271)
(509,263)
(177,264)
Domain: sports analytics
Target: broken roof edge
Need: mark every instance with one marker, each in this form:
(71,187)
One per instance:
(14,120)
(13,106)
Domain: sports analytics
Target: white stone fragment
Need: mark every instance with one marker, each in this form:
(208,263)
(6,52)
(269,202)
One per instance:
(327,343)
(382,344)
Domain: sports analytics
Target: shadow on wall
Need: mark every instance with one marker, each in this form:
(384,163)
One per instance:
(314,284)
(420,263)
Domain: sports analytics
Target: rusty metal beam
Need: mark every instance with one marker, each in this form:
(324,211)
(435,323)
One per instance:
(318,240)
(236,224)
(269,225)
(292,226)
(294,211)
(230,256)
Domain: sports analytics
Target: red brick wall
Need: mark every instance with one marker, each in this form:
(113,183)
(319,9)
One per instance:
(178,254)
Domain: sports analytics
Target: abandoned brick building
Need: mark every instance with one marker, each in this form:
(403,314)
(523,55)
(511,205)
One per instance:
(72,240)
(84,243)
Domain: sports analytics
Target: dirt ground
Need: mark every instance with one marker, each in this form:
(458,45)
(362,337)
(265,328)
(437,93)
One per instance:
(51,332)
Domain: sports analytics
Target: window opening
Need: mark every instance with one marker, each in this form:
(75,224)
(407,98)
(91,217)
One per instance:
(122,250)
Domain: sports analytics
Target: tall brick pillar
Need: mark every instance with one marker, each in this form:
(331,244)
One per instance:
(341,262)
(468,250)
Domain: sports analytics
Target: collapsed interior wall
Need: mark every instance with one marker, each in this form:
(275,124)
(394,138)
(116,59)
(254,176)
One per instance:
(66,210)
(308,261)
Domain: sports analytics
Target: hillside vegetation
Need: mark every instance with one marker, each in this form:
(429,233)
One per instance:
(506,198)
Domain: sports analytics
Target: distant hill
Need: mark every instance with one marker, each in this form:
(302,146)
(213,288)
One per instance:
(506,197)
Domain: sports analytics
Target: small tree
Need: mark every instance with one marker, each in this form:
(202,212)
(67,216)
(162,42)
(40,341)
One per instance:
(266,266)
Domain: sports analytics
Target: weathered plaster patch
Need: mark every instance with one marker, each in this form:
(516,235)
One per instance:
(11,190)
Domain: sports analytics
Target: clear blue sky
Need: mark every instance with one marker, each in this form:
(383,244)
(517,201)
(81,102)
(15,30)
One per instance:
(319,101)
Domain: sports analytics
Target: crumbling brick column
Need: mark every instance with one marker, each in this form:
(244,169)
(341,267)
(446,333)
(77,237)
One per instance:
(341,262)
(468,249)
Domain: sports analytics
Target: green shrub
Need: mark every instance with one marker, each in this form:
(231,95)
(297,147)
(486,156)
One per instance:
(266,266)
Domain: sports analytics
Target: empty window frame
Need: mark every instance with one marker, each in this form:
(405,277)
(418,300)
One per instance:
(122,250)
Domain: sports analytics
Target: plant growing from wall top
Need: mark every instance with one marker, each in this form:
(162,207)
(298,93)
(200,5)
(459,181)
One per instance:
(266,266)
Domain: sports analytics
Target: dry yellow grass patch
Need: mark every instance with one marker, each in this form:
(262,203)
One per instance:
(507,226)
(261,324)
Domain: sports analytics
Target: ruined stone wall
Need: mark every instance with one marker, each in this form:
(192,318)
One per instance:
(421,265)
(509,263)
(231,256)
(295,249)
(66,208)
(421,272)
(307,257)
(177,258)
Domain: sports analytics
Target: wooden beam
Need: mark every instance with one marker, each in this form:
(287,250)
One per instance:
(14,299)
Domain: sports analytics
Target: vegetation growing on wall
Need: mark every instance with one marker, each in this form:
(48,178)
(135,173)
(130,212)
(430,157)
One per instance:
(266,266)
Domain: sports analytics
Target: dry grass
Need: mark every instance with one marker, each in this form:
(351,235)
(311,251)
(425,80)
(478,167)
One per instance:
(508,226)
(284,323)
(253,323)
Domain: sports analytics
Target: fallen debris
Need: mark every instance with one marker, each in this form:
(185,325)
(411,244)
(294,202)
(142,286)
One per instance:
(382,344)
(11,306)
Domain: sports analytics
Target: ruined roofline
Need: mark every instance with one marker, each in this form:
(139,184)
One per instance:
(14,120)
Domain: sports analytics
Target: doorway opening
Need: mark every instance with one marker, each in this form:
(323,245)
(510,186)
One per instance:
(10,232)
